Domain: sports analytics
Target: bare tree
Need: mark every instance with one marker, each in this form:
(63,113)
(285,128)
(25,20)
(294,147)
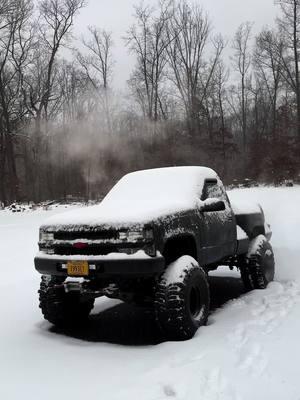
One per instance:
(56,21)
(188,34)
(148,41)
(289,30)
(58,17)
(97,64)
(222,76)
(14,43)
(268,65)
(57,116)
(209,85)
(242,63)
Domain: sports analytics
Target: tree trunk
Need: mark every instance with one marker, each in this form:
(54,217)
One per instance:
(3,197)
(11,162)
(296,58)
(244,117)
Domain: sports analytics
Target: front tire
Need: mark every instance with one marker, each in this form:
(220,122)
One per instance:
(182,299)
(258,267)
(60,308)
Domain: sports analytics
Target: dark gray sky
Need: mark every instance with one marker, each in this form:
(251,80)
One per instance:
(116,16)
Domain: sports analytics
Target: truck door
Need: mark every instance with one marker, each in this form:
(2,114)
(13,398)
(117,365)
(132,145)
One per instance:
(218,228)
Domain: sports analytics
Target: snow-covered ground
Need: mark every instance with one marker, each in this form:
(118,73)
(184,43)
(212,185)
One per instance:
(249,349)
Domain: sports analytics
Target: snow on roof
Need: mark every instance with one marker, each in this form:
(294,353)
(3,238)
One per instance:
(142,196)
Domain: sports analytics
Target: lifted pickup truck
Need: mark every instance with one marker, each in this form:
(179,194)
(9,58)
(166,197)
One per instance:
(152,242)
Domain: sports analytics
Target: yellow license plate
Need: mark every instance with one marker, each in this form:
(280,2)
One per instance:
(78,268)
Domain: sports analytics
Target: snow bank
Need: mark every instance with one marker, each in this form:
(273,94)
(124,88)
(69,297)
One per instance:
(142,196)
(249,349)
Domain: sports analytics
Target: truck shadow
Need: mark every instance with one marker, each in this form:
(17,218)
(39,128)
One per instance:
(132,326)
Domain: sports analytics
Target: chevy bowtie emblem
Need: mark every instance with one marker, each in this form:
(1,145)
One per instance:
(80,245)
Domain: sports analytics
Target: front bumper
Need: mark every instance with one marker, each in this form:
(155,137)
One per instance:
(102,267)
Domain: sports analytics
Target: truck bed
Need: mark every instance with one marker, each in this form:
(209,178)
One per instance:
(250,222)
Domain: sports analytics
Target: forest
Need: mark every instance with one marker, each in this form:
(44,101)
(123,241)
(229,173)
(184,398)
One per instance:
(193,97)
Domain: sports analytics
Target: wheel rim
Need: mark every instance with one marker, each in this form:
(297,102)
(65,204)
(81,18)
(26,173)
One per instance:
(195,304)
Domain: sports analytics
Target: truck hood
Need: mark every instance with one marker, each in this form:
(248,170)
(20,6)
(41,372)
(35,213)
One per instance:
(98,216)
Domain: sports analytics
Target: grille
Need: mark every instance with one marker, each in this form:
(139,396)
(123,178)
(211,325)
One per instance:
(90,235)
(88,251)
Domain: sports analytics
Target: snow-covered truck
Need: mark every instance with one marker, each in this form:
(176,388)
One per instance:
(152,242)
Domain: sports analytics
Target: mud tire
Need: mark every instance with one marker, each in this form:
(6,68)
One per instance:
(258,266)
(60,308)
(182,299)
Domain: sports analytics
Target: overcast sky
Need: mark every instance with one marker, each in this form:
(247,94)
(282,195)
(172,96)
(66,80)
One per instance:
(116,16)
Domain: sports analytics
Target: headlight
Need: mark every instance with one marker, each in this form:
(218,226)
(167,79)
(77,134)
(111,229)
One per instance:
(135,235)
(47,250)
(46,237)
(131,236)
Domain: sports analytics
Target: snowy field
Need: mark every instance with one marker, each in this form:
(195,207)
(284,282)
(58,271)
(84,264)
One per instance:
(249,349)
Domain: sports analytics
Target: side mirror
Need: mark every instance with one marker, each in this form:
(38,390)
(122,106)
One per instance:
(214,204)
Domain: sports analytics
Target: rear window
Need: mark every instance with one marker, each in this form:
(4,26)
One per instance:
(212,190)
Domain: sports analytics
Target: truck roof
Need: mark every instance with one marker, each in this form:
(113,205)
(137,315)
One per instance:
(142,196)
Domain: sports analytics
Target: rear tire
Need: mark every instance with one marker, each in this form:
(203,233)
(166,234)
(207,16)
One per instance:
(182,299)
(258,267)
(60,308)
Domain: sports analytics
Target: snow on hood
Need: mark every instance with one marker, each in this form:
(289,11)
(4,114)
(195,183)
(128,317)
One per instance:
(142,197)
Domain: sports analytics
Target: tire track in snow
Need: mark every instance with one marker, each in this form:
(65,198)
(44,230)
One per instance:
(214,386)
(266,312)
(210,384)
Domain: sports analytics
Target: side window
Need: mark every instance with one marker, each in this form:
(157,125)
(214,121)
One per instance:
(213,190)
